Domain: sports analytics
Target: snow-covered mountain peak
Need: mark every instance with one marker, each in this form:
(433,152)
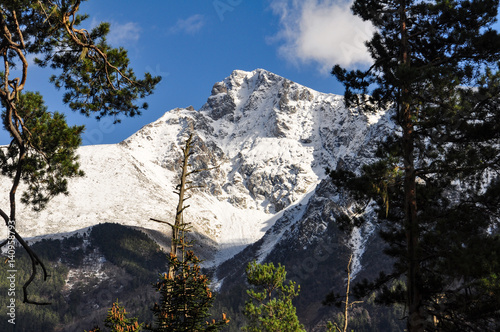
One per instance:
(271,139)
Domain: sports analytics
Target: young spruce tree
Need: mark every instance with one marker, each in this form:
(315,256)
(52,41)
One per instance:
(435,65)
(270,306)
(117,321)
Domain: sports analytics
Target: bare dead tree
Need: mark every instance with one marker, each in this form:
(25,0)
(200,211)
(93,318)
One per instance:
(179,227)
(346,303)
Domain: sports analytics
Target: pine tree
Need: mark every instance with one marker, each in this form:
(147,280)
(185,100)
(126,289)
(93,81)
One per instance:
(117,321)
(270,307)
(185,296)
(433,64)
(97,80)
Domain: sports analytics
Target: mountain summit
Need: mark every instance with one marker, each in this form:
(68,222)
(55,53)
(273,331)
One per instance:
(271,138)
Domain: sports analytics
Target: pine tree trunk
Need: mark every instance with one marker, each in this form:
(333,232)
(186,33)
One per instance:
(414,297)
(415,320)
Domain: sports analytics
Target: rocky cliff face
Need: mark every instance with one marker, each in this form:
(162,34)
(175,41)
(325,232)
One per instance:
(269,140)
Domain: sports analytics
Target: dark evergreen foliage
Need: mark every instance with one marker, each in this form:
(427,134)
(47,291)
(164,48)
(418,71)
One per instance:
(51,158)
(75,308)
(185,298)
(130,249)
(435,66)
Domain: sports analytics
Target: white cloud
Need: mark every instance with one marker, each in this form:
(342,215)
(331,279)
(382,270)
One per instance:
(120,33)
(325,32)
(126,33)
(190,25)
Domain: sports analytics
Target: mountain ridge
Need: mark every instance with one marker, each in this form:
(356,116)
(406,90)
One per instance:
(271,137)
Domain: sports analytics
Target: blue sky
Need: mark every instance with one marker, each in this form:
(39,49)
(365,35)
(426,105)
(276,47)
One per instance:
(194,43)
